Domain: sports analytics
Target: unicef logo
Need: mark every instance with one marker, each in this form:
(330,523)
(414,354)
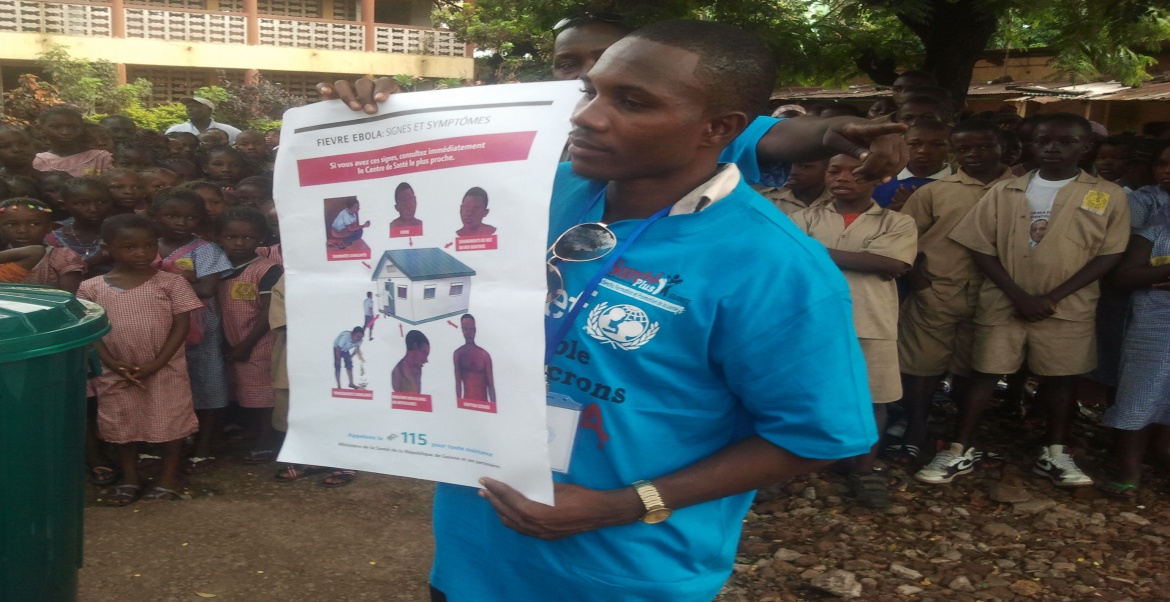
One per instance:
(621,326)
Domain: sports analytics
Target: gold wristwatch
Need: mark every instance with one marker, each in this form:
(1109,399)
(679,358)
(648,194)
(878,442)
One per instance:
(656,511)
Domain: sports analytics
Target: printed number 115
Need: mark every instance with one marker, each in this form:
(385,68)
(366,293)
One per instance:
(414,438)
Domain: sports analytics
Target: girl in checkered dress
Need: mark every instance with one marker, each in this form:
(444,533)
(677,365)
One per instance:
(26,221)
(177,215)
(244,296)
(145,392)
(1141,413)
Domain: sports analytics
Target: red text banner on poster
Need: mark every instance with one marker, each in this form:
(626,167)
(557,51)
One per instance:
(353,393)
(477,405)
(409,401)
(411,158)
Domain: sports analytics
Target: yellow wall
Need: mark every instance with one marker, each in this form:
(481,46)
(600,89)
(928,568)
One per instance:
(26,46)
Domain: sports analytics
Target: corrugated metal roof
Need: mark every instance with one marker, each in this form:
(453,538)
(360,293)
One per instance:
(1011,91)
(425,264)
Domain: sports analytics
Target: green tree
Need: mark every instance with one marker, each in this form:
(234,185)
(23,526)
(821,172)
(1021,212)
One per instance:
(831,41)
(255,105)
(91,86)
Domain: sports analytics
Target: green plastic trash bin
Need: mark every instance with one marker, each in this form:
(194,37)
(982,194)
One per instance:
(43,333)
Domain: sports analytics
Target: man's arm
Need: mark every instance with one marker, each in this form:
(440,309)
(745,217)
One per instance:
(1030,307)
(880,146)
(886,267)
(1135,272)
(458,376)
(739,467)
(1090,273)
(491,380)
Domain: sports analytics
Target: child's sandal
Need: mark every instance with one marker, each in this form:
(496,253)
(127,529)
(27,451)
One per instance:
(340,478)
(123,495)
(902,454)
(293,472)
(260,456)
(104,475)
(157,493)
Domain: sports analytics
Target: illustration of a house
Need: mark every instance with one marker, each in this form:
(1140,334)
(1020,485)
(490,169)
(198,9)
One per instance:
(420,285)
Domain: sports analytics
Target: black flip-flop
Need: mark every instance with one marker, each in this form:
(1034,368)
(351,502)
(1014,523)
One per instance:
(346,477)
(104,475)
(295,472)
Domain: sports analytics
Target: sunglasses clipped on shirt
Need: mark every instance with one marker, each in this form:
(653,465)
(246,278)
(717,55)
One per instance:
(583,242)
(587,17)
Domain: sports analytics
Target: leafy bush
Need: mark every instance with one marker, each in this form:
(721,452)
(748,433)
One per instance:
(23,103)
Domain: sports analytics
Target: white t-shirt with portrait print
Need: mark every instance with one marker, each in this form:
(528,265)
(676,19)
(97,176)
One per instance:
(1041,194)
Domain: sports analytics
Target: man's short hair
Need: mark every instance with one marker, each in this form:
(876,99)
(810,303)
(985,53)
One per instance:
(736,67)
(1067,119)
(398,189)
(467,317)
(614,21)
(358,330)
(921,99)
(925,76)
(477,193)
(976,125)
(416,339)
(930,125)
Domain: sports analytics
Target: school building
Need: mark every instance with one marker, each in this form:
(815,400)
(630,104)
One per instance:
(181,45)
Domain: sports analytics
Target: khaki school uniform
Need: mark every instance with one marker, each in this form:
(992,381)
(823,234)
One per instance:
(786,201)
(936,325)
(875,299)
(1090,218)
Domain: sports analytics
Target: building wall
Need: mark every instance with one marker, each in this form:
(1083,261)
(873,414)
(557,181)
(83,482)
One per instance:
(417,309)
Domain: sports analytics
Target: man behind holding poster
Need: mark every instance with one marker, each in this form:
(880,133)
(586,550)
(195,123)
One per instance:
(682,415)
(473,366)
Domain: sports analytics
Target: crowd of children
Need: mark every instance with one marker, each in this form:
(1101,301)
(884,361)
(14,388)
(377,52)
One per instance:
(1035,247)
(176,238)
(1020,248)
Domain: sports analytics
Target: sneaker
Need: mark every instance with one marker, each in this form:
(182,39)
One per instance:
(1057,464)
(947,464)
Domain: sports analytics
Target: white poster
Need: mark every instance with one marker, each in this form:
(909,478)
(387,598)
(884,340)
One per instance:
(414,243)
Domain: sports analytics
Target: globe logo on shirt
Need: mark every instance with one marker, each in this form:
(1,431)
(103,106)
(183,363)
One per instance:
(621,326)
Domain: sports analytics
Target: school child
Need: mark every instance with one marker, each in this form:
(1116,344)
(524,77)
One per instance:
(252,145)
(183,145)
(213,138)
(213,202)
(135,157)
(1042,241)
(185,170)
(1141,414)
(145,395)
(62,129)
(805,188)
(225,166)
(928,143)
(157,179)
(278,322)
(25,222)
(97,137)
(920,107)
(936,321)
(872,246)
(1013,149)
(1147,201)
(243,302)
(254,191)
(22,186)
(88,201)
(15,264)
(1112,159)
(49,183)
(126,192)
(17,153)
(177,214)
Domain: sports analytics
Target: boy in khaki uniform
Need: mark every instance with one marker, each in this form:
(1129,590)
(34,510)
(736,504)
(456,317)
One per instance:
(936,323)
(805,188)
(1042,240)
(872,246)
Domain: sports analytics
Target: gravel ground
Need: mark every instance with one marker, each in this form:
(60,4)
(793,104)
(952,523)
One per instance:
(999,534)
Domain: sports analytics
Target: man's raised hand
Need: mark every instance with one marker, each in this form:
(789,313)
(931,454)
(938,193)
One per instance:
(363,94)
(881,147)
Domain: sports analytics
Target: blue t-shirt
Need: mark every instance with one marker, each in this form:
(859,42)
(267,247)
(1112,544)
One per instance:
(742,152)
(675,357)
(884,193)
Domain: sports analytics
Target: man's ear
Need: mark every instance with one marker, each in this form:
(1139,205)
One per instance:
(722,129)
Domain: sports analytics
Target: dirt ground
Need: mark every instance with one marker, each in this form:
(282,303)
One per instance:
(1001,534)
(244,537)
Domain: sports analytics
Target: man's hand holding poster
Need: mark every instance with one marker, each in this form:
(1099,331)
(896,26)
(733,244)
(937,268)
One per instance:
(434,213)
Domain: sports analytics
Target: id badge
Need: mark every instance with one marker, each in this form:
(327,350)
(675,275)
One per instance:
(564,415)
(1095,202)
(244,291)
(1160,260)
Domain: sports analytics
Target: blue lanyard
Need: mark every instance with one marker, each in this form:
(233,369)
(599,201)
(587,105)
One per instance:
(553,339)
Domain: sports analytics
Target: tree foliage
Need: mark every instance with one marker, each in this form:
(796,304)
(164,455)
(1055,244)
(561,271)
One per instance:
(23,103)
(254,105)
(91,86)
(832,41)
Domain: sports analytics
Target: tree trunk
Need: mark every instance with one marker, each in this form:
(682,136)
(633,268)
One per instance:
(954,35)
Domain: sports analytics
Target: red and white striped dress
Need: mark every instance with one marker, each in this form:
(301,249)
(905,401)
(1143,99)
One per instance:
(56,262)
(272,253)
(140,320)
(239,304)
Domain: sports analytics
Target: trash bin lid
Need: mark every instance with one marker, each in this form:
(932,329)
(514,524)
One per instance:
(40,320)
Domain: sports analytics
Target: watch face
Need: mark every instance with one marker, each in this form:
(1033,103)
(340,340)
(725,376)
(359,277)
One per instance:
(656,515)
